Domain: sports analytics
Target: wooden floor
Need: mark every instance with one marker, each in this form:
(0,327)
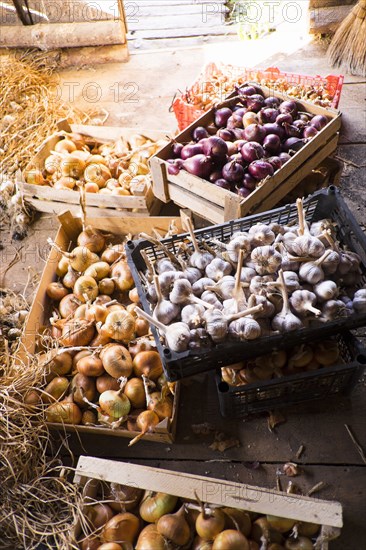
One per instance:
(329,454)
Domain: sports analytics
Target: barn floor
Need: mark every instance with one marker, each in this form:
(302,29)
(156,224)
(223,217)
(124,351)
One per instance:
(147,84)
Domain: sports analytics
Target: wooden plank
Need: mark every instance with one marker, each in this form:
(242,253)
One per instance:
(63,35)
(196,203)
(214,491)
(218,30)
(177,21)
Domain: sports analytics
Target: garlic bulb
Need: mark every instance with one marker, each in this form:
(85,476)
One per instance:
(177,335)
(306,245)
(192,315)
(359,301)
(200,286)
(164,311)
(223,288)
(245,329)
(326,290)
(210,298)
(199,339)
(239,241)
(259,285)
(303,301)
(247,274)
(312,272)
(261,234)
(181,293)
(285,320)
(192,274)
(334,309)
(217,269)
(164,265)
(291,280)
(268,308)
(266,259)
(217,322)
(167,279)
(199,258)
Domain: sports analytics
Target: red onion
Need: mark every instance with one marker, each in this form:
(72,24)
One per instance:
(222,116)
(238,133)
(199,133)
(235,121)
(284,117)
(211,129)
(233,172)
(254,102)
(260,169)
(173,169)
(249,182)
(243,192)
(254,132)
(319,121)
(273,102)
(310,132)
(215,175)
(305,117)
(215,147)
(225,134)
(274,128)
(232,148)
(239,144)
(240,111)
(299,123)
(275,162)
(177,149)
(272,144)
(252,151)
(292,131)
(247,90)
(285,157)
(223,184)
(190,150)
(199,165)
(293,144)
(267,115)
(288,107)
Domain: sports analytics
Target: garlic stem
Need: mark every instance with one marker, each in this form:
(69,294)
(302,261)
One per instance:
(152,321)
(197,300)
(160,246)
(286,303)
(149,265)
(302,224)
(158,289)
(189,225)
(249,311)
(314,310)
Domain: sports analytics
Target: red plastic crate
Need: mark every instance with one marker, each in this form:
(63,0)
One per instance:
(186,112)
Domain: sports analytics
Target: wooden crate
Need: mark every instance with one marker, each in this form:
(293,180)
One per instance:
(90,471)
(47,199)
(219,205)
(39,313)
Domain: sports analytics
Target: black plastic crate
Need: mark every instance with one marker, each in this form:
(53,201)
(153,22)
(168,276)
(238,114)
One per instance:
(241,401)
(326,203)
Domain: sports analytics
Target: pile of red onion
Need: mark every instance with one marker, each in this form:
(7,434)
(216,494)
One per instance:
(246,143)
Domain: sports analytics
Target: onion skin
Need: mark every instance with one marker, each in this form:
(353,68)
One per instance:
(230,539)
(89,417)
(55,389)
(77,333)
(150,539)
(91,543)
(282,525)
(117,360)
(114,404)
(174,527)
(241,518)
(61,364)
(121,528)
(126,500)
(90,366)
(81,386)
(135,392)
(99,514)
(124,280)
(63,412)
(208,526)
(106,382)
(201,544)
(56,291)
(155,505)
(92,239)
(68,305)
(163,408)
(149,364)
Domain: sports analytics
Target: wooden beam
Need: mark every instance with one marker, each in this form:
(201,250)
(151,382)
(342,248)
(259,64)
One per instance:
(63,35)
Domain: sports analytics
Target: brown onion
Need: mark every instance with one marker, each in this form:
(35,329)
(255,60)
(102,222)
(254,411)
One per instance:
(124,498)
(123,527)
(135,392)
(92,239)
(70,278)
(308,529)
(123,276)
(162,406)
(120,325)
(117,360)
(300,543)
(282,525)
(230,540)
(98,271)
(106,382)
(134,296)
(99,514)
(210,524)
(80,355)
(90,543)
(89,417)
(63,412)
(110,546)
(142,327)
(96,313)
(150,539)
(201,544)
(113,253)
(68,305)
(77,333)
(62,266)
(237,519)
(174,527)
(142,344)
(86,288)
(56,291)
(82,386)
(60,363)
(90,366)
(149,364)
(106,286)
(101,338)
(55,389)
(146,422)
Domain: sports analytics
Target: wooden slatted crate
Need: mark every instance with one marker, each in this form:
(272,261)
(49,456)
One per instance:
(90,471)
(219,205)
(41,307)
(50,200)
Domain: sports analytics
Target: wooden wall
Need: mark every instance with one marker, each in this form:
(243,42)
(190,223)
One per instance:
(326,15)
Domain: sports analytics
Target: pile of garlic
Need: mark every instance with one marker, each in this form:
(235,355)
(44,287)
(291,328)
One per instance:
(269,280)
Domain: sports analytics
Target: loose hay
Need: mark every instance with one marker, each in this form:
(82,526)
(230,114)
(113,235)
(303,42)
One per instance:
(29,106)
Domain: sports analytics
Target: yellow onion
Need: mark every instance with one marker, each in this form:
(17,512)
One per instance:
(97,173)
(300,543)
(86,288)
(96,313)
(72,167)
(106,382)
(68,305)
(174,527)
(56,291)
(91,187)
(63,412)
(141,344)
(65,146)
(96,159)
(135,391)
(142,327)
(77,333)
(148,363)
(70,278)
(111,546)
(113,253)
(237,519)
(121,191)
(35,177)
(123,527)
(99,514)
(102,299)
(90,543)
(122,276)
(111,184)
(282,525)
(145,422)
(58,363)
(65,182)
(89,417)
(62,266)
(161,405)
(101,338)
(55,389)
(114,404)
(106,286)
(150,539)
(308,529)
(82,386)
(117,360)
(98,271)
(134,296)
(120,326)
(154,505)
(79,154)
(230,539)
(201,544)
(52,163)
(122,498)
(81,312)
(210,524)
(90,366)
(92,239)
